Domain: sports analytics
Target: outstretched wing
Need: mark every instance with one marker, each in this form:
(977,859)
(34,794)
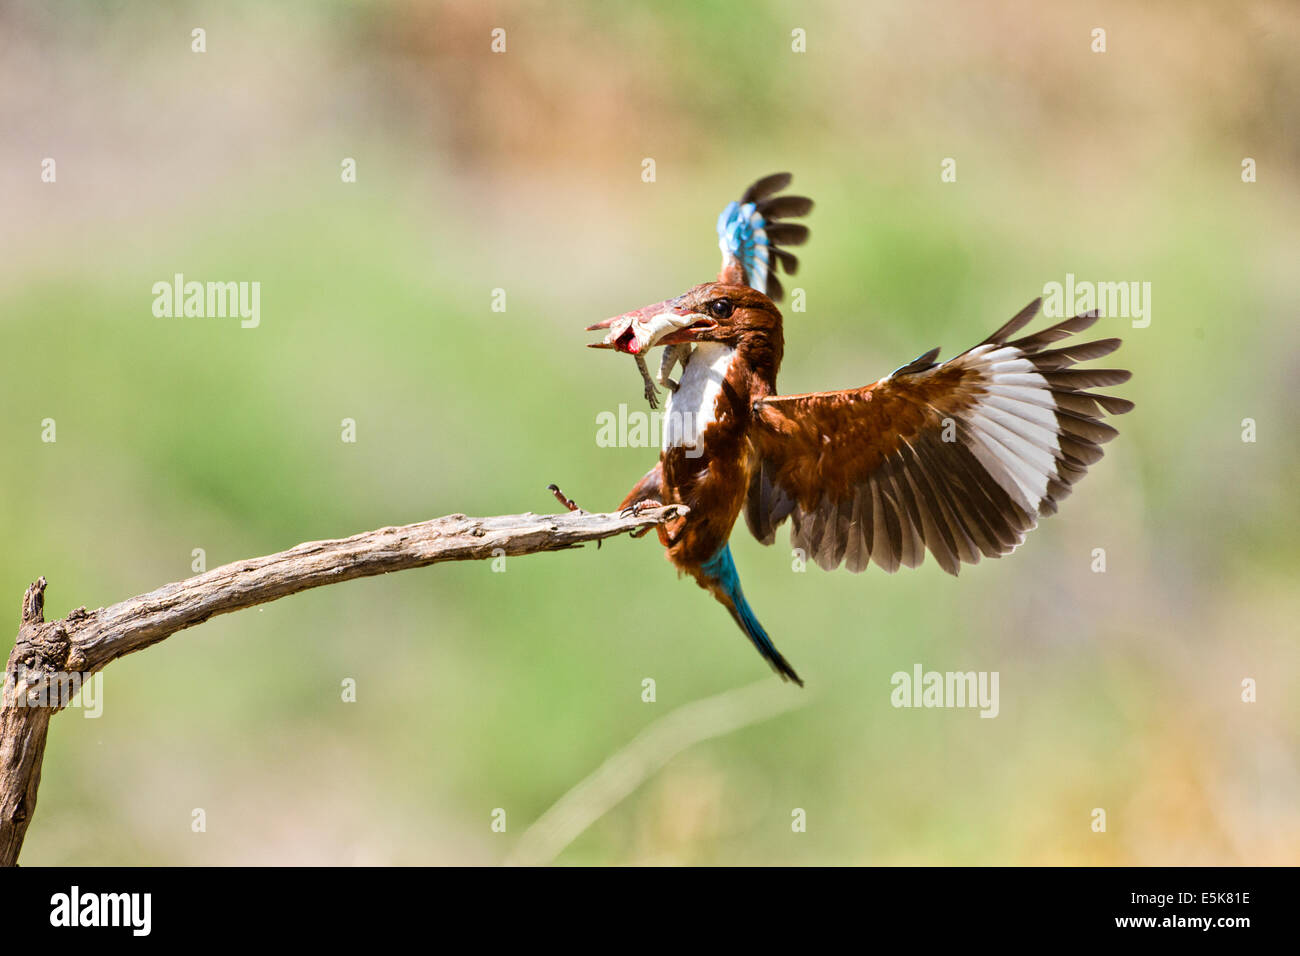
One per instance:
(753,235)
(959,458)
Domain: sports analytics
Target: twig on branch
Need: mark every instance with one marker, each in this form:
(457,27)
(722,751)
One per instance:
(86,641)
(644,756)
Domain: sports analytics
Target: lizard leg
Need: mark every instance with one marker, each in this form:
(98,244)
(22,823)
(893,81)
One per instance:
(651,392)
(673,354)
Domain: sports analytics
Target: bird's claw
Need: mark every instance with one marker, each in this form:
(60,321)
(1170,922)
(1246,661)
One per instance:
(634,510)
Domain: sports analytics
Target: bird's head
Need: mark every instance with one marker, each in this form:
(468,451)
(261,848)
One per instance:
(712,312)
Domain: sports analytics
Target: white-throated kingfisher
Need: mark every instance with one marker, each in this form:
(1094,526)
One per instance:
(958,458)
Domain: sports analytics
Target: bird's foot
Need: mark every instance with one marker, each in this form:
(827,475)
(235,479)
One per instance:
(644,504)
(636,509)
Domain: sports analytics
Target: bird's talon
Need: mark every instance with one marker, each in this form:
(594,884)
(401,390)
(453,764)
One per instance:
(634,511)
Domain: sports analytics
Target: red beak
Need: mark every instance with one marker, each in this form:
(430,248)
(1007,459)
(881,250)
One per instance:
(630,331)
(689,334)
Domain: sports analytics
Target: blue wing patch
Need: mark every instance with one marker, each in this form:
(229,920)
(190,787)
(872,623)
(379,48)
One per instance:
(742,234)
(752,235)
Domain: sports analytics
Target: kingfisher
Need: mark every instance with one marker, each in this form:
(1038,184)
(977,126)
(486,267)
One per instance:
(753,234)
(958,458)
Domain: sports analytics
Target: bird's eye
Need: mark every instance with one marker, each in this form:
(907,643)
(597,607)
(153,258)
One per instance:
(721,308)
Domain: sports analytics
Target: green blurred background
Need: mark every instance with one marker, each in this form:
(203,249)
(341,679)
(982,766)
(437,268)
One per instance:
(522,171)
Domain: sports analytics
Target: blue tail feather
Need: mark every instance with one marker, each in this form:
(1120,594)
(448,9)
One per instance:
(721,570)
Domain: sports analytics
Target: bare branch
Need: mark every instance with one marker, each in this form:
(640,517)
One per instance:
(85,642)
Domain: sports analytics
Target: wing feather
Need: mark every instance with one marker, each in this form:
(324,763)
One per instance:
(958,459)
(753,234)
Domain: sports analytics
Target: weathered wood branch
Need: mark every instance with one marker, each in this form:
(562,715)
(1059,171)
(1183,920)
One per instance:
(46,653)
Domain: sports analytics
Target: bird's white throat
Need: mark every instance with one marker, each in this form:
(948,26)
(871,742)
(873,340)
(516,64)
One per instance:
(691,409)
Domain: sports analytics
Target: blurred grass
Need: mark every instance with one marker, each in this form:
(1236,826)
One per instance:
(479,690)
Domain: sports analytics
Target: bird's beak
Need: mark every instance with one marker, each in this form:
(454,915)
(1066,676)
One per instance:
(693,331)
(642,329)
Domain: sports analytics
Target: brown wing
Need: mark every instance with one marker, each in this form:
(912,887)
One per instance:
(959,458)
(649,488)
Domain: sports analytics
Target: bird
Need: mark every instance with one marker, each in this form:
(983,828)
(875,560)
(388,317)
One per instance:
(754,235)
(955,459)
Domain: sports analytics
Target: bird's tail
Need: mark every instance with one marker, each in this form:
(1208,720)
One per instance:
(720,576)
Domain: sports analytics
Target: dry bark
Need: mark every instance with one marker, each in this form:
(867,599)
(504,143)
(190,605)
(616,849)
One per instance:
(86,641)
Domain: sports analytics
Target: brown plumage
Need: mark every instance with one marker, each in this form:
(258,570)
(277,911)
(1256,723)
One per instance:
(957,459)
